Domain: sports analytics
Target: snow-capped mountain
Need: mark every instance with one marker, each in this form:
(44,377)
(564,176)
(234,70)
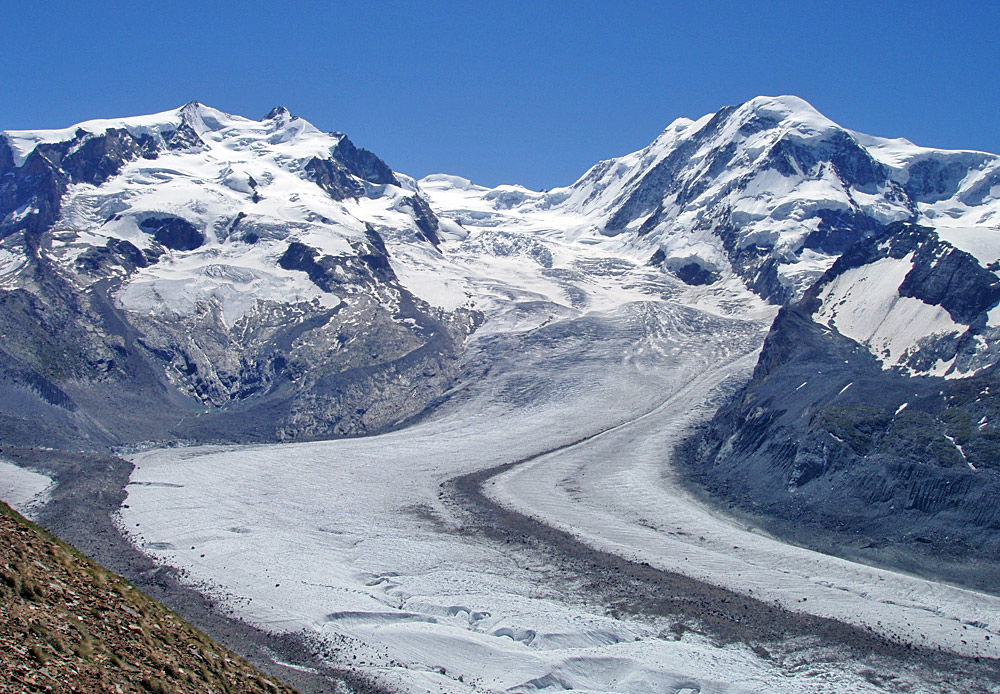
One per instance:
(196,179)
(872,408)
(214,261)
(770,190)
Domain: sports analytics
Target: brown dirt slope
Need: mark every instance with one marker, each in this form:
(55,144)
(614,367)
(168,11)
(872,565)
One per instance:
(69,625)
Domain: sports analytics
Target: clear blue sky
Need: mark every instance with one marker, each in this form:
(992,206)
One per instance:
(509,92)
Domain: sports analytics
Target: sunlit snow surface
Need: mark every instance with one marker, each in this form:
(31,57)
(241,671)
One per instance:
(247,176)
(864,305)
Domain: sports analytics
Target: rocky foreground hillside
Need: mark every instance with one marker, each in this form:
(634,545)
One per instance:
(68,625)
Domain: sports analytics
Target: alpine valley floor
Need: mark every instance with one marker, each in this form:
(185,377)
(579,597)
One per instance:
(595,572)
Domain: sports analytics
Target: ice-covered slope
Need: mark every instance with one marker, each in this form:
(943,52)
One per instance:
(916,301)
(209,186)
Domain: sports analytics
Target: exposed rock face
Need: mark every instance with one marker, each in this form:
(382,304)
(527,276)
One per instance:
(30,194)
(115,255)
(334,178)
(343,175)
(362,164)
(693,273)
(173,233)
(423,215)
(368,267)
(941,274)
(6,156)
(184,137)
(947,330)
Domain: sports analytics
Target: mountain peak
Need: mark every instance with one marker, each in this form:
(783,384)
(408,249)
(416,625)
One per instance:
(788,112)
(276,113)
(784,102)
(205,118)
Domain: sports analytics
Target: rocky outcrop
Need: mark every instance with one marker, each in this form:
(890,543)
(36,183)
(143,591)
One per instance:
(114,257)
(423,215)
(367,268)
(362,163)
(173,233)
(30,194)
(942,275)
(343,175)
(6,156)
(937,275)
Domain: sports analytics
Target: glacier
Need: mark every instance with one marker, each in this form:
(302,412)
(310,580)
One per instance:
(594,327)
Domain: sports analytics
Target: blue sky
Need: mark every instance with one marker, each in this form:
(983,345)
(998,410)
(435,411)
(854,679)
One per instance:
(505,92)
